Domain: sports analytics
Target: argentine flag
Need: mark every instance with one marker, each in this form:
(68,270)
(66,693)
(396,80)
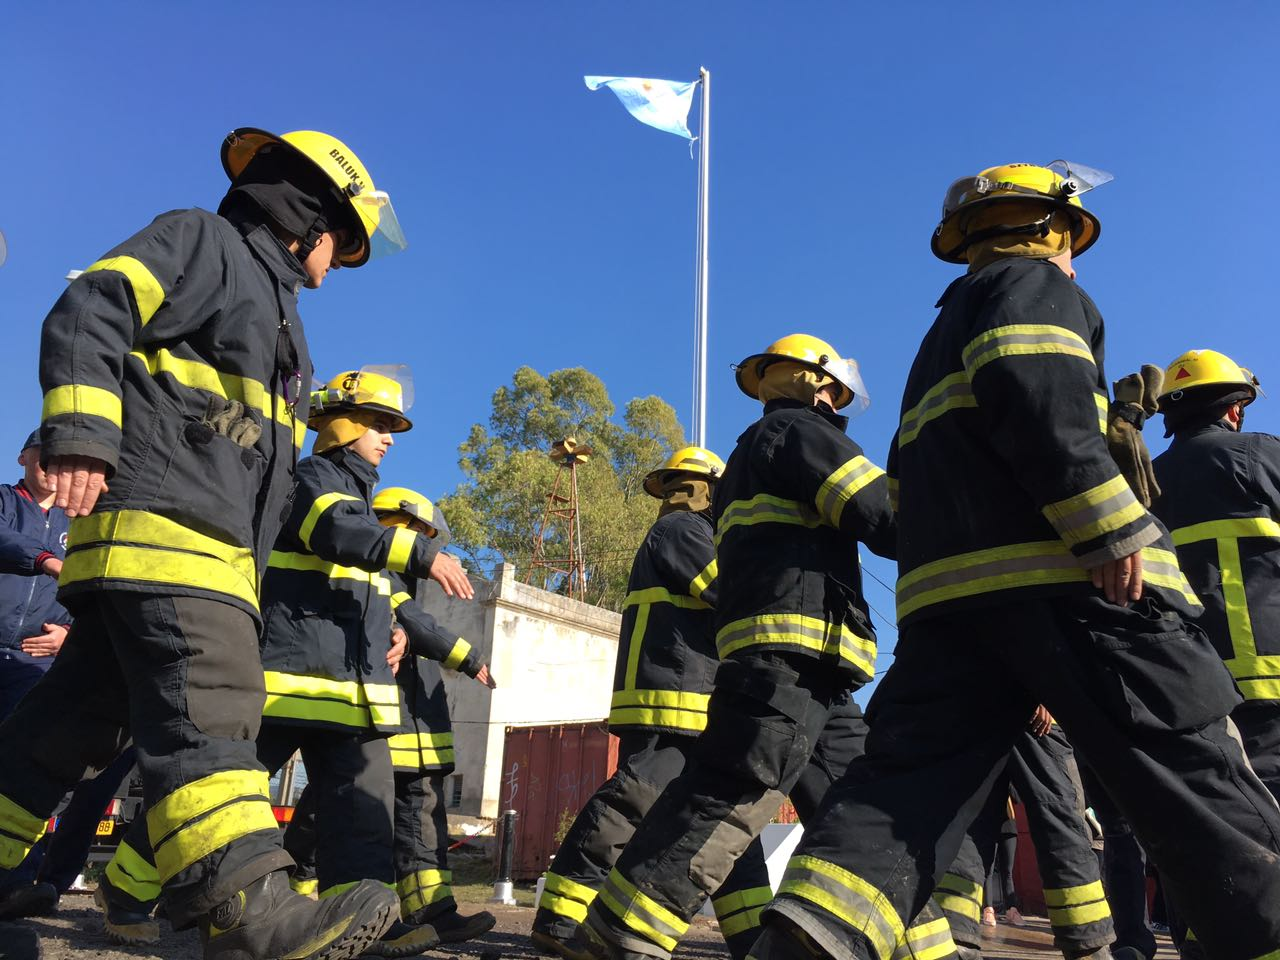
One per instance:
(659,103)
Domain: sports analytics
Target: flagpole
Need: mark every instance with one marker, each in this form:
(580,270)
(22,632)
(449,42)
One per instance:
(700,284)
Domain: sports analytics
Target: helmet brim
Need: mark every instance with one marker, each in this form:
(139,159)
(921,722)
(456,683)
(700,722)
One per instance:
(399,422)
(947,243)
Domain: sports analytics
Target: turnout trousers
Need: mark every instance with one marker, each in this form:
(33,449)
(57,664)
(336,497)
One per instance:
(647,763)
(765,735)
(182,676)
(1144,700)
(420,850)
(350,776)
(1044,771)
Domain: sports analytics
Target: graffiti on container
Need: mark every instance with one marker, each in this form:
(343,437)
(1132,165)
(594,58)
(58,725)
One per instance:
(513,784)
(578,783)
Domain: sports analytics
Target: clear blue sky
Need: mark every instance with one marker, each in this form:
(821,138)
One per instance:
(548,228)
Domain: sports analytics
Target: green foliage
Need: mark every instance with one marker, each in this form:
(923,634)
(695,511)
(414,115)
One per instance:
(494,514)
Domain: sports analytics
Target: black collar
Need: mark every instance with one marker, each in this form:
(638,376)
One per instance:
(364,472)
(1203,428)
(837,420)
(276,257)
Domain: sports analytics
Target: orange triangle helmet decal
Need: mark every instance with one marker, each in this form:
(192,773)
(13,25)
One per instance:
(1182,374)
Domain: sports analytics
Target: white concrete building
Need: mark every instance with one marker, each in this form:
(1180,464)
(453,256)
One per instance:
(553,660)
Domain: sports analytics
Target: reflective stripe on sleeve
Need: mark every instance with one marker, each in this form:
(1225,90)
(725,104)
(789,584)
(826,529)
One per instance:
(402,543)
(704,579)
(317,509)
(346,702)
(651,595)
(1097,511)
(847,897)
(286,560)
(1023,339)
(459,653)
(765,508)
(398,598)
(843,485)
(148,295)
(81,399)
(203,816)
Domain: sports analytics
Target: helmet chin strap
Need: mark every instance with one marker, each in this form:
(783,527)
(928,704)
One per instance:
(1038,228)
(308,243)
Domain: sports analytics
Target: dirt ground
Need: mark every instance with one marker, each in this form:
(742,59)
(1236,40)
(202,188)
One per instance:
(75,931)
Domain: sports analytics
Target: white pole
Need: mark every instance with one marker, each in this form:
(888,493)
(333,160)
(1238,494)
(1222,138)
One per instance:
(700,334)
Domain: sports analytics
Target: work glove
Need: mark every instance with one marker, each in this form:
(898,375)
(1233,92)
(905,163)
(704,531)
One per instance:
(1135,400)
(233,420)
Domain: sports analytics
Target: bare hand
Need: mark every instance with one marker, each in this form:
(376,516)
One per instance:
(79,481)
(1120,580)
(1041,722)
(399,644)
(52,566)
(45,644)
(449,573)
(484,676)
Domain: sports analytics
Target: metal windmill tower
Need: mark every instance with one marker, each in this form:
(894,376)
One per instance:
(561,514)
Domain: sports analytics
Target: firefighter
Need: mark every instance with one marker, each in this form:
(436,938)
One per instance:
(174,373)
(1220,499)
(421,749)
(1029,573)
(661,684)
(327,610)
(793,635)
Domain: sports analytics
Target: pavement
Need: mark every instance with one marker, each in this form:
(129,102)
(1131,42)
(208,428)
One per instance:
(75,931)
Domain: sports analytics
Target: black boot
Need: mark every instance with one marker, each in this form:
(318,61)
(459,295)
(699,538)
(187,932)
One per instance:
(573,947)
(123,924)
(454,927)
(27,900)
(267,920)
(403,939)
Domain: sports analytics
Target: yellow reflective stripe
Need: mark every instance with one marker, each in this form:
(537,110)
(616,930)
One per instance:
(348,702)
(1160,569)
(80,398)
(459,653)
(424,887)
(205,815)
(130,872)
(402,543)
(676,709)
(1239,624)
(766,508)
(1233,529)
(950,393)
(569,888)
(1104,408)
(198,375)
(1097,511)
(1022,339)
(149,529)
(986,571)
(740,922)
(893,494)
(662,595)
(930,940)
(147,292)
(959,895)
(565,897)
(1259,689)
(843,485)
(1073,906)
(794,629)
(305,886)
(699,584)
(338,888)
(317,509)
(157,565)
(641,913)
(636,643)
(1269,955)
(19,831)
(741,899)
(421,740)
(285,560)
(399,598)
(847,896)
(421,749)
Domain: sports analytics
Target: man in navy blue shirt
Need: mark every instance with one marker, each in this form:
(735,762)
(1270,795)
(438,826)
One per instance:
(33,541)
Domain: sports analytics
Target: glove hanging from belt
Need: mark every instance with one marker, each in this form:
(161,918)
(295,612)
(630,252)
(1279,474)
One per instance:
(1135,400)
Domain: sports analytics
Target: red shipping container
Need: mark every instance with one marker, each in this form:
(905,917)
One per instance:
(548,773)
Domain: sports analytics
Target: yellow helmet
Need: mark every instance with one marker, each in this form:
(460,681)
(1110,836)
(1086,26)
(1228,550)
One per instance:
(698,460)
(398,506)
(812,352)
(1059,184)
(388,389)
(379,230)
(1197,369)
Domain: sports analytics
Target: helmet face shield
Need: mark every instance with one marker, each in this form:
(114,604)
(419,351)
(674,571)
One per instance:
(1077,178)
(374,209)
(847,375)
(371,387)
